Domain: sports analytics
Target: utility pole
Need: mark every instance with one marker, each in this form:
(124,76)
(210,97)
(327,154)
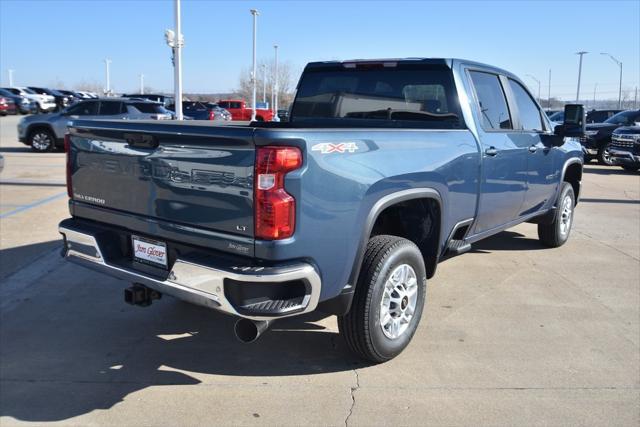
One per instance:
(141,84)
(549,94)
(581,53)
(275,101)
(10,77)
(264,83)
(177,66)
(620,86)
(537,81)
(255,14)
(107,62)
(595,87)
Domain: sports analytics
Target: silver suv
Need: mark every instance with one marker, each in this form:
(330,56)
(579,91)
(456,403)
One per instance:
(44,132)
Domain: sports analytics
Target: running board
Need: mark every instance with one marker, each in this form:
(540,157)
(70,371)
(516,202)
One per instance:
(458,247)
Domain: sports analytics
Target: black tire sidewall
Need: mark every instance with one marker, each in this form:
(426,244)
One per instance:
(601,156)
(567,189)
(385,347)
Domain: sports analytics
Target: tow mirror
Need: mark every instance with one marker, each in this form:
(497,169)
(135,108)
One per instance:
(575,121)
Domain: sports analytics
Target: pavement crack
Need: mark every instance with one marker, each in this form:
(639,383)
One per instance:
(353,398)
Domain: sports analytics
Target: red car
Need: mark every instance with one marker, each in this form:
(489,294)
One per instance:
(241,111)
(7,106)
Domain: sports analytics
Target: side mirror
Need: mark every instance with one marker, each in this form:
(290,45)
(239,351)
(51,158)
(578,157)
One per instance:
(575,121)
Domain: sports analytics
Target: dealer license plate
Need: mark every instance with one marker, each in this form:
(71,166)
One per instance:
(149,251)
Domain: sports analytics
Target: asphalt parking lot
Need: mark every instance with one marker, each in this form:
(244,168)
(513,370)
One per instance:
(513,333)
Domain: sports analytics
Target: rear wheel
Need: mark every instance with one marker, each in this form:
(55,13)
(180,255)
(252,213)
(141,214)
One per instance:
(41,140)
(557,232)
(604,157)
(388,300)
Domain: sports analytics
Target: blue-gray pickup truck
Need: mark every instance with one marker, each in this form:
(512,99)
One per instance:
(385,168)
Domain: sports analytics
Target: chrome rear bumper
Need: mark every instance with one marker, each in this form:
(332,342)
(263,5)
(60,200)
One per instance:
(196,282)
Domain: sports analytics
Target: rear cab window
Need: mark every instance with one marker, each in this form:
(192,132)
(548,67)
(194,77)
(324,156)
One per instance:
(384,94)
(110,108)
(148,108)
(491,101)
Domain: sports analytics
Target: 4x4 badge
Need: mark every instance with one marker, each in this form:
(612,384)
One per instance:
(327,147)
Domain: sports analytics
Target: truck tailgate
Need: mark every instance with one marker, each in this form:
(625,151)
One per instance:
(186,174)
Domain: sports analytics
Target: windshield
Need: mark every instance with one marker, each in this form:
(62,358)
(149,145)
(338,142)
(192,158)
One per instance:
(624,118)
(413,95)
(27,90)
(557,117)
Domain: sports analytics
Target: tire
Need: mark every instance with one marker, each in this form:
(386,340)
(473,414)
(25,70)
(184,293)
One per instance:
(604,158)
(631,168)
(557,232)
(362,327)
(42,140)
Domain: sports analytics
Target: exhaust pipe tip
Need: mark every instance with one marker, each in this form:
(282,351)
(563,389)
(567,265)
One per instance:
(248,331)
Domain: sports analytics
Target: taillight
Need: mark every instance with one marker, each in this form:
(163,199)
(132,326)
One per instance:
(275,209)
(212,115)
(67,150)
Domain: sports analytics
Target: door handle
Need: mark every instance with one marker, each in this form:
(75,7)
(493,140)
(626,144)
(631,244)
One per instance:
(533,149)
(491,151)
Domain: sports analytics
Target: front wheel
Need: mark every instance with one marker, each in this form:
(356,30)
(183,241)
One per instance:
(557,232)
(604,157)
(388,300)
(41,140)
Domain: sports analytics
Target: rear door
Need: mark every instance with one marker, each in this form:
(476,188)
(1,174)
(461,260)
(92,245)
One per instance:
(504,162)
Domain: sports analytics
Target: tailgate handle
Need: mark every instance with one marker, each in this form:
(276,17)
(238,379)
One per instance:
(141,140)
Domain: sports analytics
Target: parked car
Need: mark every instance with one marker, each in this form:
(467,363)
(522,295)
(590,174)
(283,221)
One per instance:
(598,135)
(625,147)
(240,111)
(550,113)
(202,111)
(166,100)
(46,132)
(73,96)
(87,95)
(45,103)
(346,209)
(599,116)
(283,115)
(1,162)
(23,104)
(7,106)
(61,100)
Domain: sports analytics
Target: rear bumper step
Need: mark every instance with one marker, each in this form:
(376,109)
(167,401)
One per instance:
(233,290)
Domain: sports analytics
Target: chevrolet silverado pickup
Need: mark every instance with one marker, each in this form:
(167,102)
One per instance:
(385,168)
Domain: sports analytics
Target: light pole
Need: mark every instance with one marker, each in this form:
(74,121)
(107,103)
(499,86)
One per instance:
(549,94)
(581,53)
(177,66)
(255,14)
(107,62)
(275,88)
(141,84)
(10,77)
(264,83)
(620,87)
(537,81)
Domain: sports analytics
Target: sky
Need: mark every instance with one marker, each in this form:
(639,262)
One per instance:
(52,43)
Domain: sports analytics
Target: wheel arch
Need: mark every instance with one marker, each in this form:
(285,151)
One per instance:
(572,173)
(389,201)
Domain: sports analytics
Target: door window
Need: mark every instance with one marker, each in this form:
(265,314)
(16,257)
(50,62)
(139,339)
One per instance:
(87,108)
(110,108)
(529,114)
(492,102)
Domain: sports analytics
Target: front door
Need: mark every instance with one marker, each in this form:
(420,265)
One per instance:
(504,162)
(543,172)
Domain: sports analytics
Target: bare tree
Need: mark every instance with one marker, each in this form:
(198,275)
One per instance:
(286,82)
(89,87)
